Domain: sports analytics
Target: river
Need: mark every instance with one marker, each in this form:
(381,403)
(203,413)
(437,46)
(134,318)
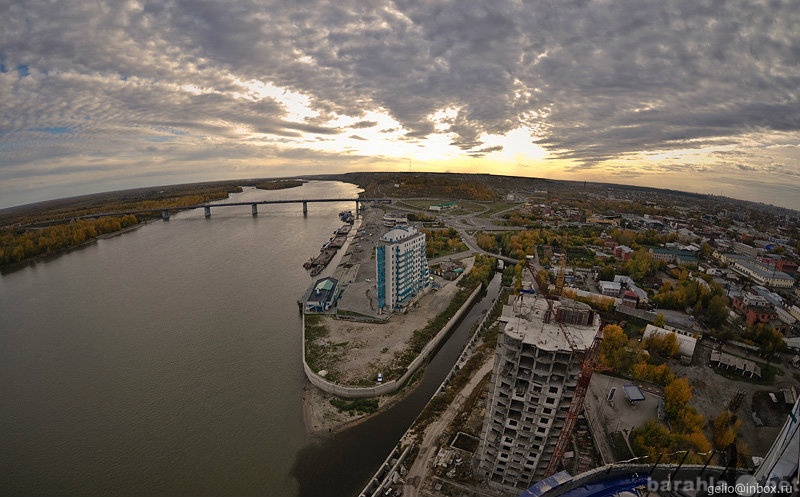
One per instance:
(166,361)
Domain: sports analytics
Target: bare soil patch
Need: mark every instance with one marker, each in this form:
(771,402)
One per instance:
(366,349)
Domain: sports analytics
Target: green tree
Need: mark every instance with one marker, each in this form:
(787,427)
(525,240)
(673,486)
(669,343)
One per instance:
(716,314)
(606,273)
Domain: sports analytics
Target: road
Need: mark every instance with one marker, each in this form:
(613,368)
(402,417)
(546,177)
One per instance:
(430,442)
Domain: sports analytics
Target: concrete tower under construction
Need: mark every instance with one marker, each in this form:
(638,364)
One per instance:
(536,371)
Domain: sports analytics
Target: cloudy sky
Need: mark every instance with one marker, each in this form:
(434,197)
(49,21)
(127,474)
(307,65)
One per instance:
(693,95)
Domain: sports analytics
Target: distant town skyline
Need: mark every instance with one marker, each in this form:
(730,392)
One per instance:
(690,95)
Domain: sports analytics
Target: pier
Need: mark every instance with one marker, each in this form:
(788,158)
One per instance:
(318,263)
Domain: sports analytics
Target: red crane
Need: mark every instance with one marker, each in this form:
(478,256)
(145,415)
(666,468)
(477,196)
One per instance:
(587,369)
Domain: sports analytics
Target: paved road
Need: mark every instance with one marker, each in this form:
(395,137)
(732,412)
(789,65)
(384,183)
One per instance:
(428,448)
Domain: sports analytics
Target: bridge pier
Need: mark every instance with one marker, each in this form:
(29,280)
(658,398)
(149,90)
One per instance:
(254,209)
(165,214)
(208,211)
(305,208)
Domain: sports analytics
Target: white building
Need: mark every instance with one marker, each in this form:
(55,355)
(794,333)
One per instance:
(686,340)
(759,273)
(795,312)
(534,379)
(402,267)
(610,288)
(392,219)
(631,285)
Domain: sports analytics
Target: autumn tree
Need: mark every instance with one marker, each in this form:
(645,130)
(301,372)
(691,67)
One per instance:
(676,397)
(616,351)
(724,429)
(683,416)
(665,345)
(767,338)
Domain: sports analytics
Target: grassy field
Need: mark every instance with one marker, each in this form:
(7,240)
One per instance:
(495,207)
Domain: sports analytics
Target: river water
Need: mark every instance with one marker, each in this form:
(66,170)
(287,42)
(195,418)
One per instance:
(166,361)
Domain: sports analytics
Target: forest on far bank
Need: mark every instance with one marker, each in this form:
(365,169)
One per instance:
(46,228)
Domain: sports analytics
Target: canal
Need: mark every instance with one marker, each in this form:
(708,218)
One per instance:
(343,464)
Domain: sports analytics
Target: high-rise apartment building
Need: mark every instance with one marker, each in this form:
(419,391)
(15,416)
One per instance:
(402,266)
(534,379)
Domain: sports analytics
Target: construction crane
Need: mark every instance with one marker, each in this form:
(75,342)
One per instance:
(563,272)
(587,369)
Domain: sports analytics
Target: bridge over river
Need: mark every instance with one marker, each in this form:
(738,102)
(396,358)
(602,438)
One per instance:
(167,211)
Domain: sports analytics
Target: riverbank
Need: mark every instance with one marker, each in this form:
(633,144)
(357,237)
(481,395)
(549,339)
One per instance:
(365,349)
(322,418)
(50,256)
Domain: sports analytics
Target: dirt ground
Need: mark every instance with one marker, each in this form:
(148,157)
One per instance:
(366,349)
(713,393)
(322,418)
(369,348)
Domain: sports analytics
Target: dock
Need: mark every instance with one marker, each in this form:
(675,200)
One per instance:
(317,264)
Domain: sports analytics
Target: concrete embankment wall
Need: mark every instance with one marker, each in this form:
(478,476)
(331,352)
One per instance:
(393,385)
(386,475)
(470,347)
(382,477)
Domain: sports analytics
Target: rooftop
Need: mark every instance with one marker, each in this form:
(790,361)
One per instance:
(527,320)
(398,234)
(752,266)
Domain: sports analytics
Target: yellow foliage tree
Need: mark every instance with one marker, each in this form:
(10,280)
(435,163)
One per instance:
(724,428)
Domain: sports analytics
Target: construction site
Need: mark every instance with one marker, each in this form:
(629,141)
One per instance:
(536,406)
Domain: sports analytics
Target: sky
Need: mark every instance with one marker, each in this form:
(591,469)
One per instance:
(694,95)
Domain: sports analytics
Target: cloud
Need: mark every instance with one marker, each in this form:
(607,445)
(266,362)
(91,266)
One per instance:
(595,82)
(364,124)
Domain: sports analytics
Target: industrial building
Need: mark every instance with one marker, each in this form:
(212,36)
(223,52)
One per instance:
(402,266)
(534,380)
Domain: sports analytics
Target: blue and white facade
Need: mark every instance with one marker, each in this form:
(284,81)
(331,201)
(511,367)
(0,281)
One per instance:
(402,267)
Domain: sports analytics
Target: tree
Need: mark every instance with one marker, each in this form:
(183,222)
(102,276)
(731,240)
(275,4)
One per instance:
(660,320)
(616,351)
(664,345)
(641,264)
(606,273)
(767,338)
(676,397)
(683,417)
(717,312)
(724,429)
(652,438)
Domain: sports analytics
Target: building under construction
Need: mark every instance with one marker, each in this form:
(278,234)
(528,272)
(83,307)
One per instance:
(537,389)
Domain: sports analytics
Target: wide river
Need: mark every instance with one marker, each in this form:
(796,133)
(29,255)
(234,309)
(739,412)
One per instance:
(166,361)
